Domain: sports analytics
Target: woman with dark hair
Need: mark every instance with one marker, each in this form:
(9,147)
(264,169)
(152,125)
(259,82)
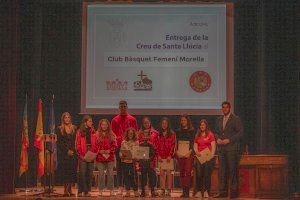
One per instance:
(184,152)
(166,150)
(106,145)
(85,141)
(67,153)
(128,163)
(204,140)
(152,139)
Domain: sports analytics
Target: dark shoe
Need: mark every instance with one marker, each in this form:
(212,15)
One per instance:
(168,193)
(87,194)
(183,195)
(66,195)
(72,195)
(153,194)
(233,195)
(162,193)
(220,196)
(143,194)
(187,194)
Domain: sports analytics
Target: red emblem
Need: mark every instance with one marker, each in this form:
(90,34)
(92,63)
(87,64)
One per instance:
(200,81)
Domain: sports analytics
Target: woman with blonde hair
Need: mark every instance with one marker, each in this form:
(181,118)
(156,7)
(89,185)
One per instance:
(66,153)
(106,146)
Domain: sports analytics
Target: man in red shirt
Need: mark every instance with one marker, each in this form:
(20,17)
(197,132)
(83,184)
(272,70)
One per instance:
(119,124)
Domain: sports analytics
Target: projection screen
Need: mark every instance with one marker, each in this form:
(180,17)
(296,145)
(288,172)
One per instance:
(163,59)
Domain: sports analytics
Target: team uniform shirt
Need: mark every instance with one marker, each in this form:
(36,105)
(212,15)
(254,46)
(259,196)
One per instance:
(82,141)
(166,145)
(105,143)
(120,124)
(204,142)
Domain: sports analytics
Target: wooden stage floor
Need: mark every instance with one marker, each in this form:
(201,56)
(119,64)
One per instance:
(59,190)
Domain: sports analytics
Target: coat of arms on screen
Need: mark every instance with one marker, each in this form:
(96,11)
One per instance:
(116,85)
(144,84)
(200,81)
(116,33)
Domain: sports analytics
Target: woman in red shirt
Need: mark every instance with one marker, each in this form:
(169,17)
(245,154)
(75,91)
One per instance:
(204,142)
(106,145)
(85,141)
(166,150)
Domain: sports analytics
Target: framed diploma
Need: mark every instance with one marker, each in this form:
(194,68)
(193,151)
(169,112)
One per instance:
(126,154)
(139,152)
(205,155)
(183,147)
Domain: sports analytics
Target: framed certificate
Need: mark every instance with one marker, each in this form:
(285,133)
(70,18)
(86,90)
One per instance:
(126,154)
(139,152)
(183,147)
(205,155)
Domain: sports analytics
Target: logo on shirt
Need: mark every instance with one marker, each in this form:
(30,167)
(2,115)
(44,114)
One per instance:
(200,81)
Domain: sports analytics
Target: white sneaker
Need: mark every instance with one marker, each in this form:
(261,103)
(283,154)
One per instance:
(206,194)
(198,195)
(100,193)
(120,191)
(111,193)
(136,193)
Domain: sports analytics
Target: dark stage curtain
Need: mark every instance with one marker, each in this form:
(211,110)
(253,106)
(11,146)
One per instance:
(46,60)
(9,60)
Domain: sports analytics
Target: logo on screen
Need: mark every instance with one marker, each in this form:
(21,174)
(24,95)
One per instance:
(200,81)
(116,85)
(144,84)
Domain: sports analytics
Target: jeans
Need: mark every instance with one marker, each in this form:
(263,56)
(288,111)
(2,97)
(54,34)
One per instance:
(108,166)
(85,176)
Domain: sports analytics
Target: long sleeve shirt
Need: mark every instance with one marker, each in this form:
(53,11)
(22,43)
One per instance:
(120,123)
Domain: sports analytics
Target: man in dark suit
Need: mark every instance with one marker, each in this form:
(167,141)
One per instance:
(229,131)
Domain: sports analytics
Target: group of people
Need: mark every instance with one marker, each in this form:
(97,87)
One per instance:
(112,141)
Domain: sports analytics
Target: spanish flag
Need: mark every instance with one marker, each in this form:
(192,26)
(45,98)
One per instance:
(39,140)
(25,143)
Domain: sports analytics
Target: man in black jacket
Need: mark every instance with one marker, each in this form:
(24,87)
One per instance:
(229,131)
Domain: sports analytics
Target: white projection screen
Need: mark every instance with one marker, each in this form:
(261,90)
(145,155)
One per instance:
(163,59)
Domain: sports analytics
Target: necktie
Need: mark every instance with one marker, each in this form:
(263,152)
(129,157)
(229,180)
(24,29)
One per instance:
(225,118)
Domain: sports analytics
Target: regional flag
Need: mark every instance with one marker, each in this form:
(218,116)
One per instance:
(25,143)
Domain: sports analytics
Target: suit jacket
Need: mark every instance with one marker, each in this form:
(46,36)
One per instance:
(232,131)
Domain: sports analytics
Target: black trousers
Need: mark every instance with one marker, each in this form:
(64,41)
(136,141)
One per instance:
(130,177)
(228,166)
(203,175)
(148,173)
